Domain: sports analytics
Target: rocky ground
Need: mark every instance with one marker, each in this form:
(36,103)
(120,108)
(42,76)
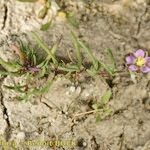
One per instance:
(123,26)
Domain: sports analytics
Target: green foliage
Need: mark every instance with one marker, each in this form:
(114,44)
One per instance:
(27,93)
(46,26)
(29,65)
(91,56)
(46,6)
(101,108)
(10,66)
(106,97)
(43,12)
(97,65)
(44,46)
(72,20)
(114,66)
(77,49)
(133,76)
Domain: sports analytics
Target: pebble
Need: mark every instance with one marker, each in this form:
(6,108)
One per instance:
(84,144)
(72,89)
(21,135)
(5,117)
(78,90)
(86,94)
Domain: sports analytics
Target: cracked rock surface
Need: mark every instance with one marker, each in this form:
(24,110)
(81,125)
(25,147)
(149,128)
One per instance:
(123,26)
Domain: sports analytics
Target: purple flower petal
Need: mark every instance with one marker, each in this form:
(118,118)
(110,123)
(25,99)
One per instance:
(139,53)
(133,68)
(145,69)
(130,59)
(147,61)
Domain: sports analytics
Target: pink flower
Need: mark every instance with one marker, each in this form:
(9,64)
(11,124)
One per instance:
(138,61)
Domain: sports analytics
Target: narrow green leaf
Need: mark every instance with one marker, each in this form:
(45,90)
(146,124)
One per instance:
(91,72)
(98,118)
(72,20)
(95,106)
(89,51)
(10,66)
(43,12)
(133,76)
(3,73)
(43,64)
(106,97)
(106,68)
(68,68)
(114,66)
(16,88)
(46,88)
(45,47)
(46,26)
(77,49)
(34,60)
(54,48)
(36,91)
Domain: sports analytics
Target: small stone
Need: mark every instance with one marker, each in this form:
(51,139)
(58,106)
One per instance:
(86,94)
(67,93)
(21,135)
(5,117)
(84,144)
(78,90)
(94,11)
(66,113)
(72,89)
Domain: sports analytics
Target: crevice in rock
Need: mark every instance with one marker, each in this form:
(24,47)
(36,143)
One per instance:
(47,105)
(120,111)
(140,21)
(122,139)
(6,117)
(96,145)
(72,127)
(5,16)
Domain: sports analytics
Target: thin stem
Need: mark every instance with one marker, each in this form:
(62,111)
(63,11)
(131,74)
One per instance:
(77,48)
(44,46)
(85,113)
(88,50)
